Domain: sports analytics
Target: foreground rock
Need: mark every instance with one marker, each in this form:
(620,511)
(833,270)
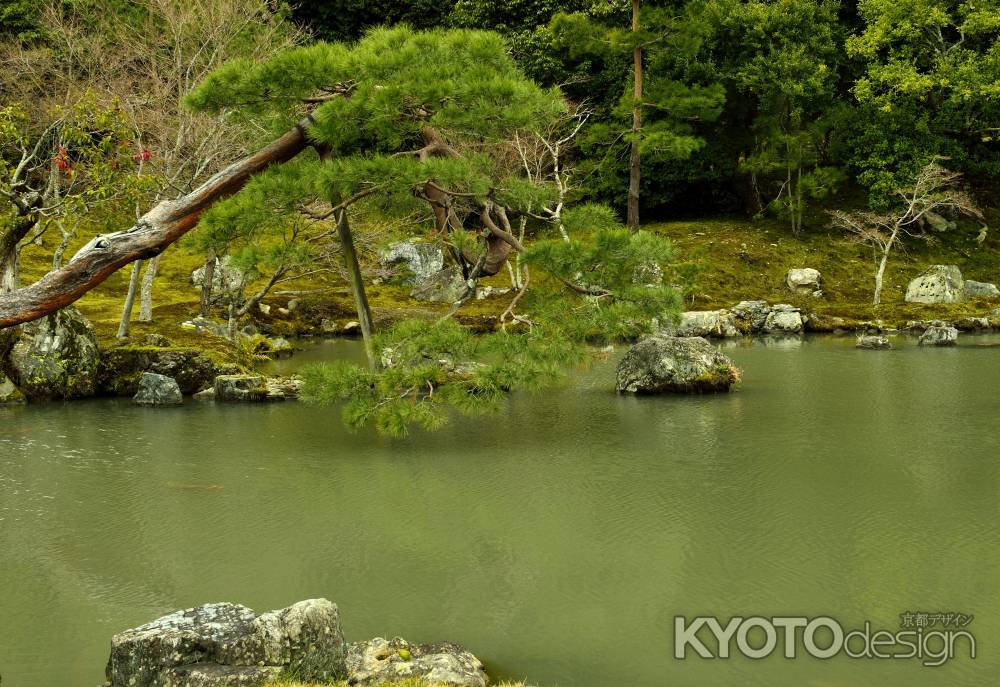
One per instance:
(939,336)
(422,260)
(379,661)
(55,357)
(228,645)
(873,342)
(707,323)
(158,390)
(668,364)
(938,284)
(803,280)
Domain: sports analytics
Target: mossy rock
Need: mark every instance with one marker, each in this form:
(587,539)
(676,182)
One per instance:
(55,357)
(121,368)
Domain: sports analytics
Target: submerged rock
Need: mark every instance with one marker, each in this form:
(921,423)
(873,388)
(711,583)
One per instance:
(55,357)
(446,286)
(939,336)
(980,289)
(873,342)
(379,661)
(803,279)
(938,284)
(422,260)
(227,645)
(669,364)
(707,323)
(157,390)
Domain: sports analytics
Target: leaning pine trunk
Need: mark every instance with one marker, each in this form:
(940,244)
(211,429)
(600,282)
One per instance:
(357,285)
(148,237)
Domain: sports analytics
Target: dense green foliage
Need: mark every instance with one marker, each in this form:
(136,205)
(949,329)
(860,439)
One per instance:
(815,96)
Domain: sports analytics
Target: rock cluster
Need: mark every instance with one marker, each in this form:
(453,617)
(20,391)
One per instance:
(228,645)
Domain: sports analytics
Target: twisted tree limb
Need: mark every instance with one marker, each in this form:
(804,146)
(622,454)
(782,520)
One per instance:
(148,237)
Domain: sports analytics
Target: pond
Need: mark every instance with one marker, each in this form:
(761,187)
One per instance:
(557,540)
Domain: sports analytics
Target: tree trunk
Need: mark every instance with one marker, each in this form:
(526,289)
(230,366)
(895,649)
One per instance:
(146,297)
(207,277)
(133,286)
(10,251)
(148,237)
(357,285)
(634,161)
(880,272)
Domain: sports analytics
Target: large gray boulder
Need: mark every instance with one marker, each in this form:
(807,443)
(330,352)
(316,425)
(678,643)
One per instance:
(228,645)
(803,279)
(939,336)
(938,284)
(420,259)
(783,319)
(157,390)
(669,364)
(379,661)
(55,357)
(446,286)
(708,323)
(980,289)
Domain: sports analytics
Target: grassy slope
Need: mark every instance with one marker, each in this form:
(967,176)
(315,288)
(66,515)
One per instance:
(847,268)
(715,244)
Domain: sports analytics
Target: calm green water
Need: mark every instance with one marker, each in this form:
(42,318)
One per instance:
(557,541)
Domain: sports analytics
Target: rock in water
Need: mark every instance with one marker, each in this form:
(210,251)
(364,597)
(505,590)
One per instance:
(422,260)
(379,661)
(446,286)
(708,323)
(804,279)
(240,388)
(980,289)
(228,645)
(873,342)
(783,319)
(938,284)
(158,390)
(55,357)
(752,315)
(9,394)
(939,336)
(122,367)
(668,364)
